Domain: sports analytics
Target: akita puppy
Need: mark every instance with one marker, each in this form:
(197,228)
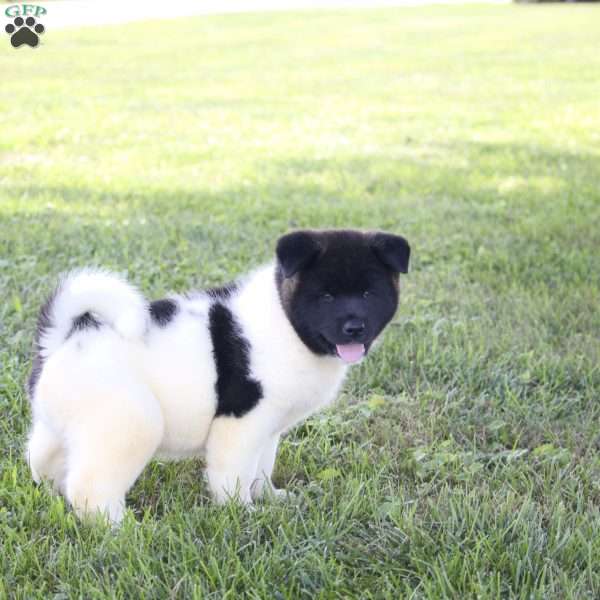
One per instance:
(220,373)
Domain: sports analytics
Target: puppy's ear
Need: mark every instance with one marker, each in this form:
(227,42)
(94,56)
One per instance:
(392,250)
(296,250)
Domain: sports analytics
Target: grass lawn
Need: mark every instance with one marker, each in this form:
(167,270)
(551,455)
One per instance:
(463,458)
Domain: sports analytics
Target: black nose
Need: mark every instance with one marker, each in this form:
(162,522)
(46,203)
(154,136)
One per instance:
(353,327)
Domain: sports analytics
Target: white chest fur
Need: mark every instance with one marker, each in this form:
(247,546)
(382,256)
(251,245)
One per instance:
(295,381)
(180,366)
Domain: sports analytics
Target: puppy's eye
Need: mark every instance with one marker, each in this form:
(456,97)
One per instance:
(366,294)
(327,298)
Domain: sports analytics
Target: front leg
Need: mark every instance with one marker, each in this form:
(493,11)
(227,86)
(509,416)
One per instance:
(233,451)
(262,484)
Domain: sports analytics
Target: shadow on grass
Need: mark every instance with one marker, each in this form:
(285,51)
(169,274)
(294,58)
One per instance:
(413,175)
(496,205)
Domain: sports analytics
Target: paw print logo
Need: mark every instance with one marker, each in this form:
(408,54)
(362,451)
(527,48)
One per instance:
(24,32)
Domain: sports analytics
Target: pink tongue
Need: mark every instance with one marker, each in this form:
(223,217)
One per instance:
(350,353)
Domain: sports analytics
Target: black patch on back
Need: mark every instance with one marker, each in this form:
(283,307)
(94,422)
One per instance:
(82,322)
(237,392)
(223,292)
(163,311)
(44,323)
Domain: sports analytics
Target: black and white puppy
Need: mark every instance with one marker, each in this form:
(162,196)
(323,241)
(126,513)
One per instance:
(221,373)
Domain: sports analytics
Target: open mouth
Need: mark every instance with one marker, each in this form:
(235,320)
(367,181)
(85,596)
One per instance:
(350,353)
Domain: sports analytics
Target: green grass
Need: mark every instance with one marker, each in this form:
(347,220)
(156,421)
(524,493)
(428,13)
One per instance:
(463,458)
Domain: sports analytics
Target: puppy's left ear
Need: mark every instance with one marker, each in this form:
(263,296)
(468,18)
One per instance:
(392,250)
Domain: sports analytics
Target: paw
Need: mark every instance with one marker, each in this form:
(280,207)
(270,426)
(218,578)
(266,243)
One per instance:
(54,486)
(35,475)
(24,32)
(111,513)
(225,494)
(279,494)
(267,491)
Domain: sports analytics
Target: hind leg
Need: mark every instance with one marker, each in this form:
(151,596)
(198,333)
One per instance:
(98,478)
(46,455)
(108,451)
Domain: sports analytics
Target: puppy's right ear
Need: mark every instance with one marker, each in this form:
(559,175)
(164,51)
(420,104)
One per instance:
(297,250)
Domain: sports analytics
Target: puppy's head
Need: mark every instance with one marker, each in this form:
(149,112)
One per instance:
(340,288)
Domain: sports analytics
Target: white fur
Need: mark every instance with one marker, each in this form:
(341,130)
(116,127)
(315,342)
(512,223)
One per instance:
(100,292)
(110,399)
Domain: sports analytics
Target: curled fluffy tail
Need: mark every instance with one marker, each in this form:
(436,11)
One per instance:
(107,298)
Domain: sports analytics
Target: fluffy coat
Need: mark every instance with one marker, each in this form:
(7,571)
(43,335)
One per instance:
(220,374)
